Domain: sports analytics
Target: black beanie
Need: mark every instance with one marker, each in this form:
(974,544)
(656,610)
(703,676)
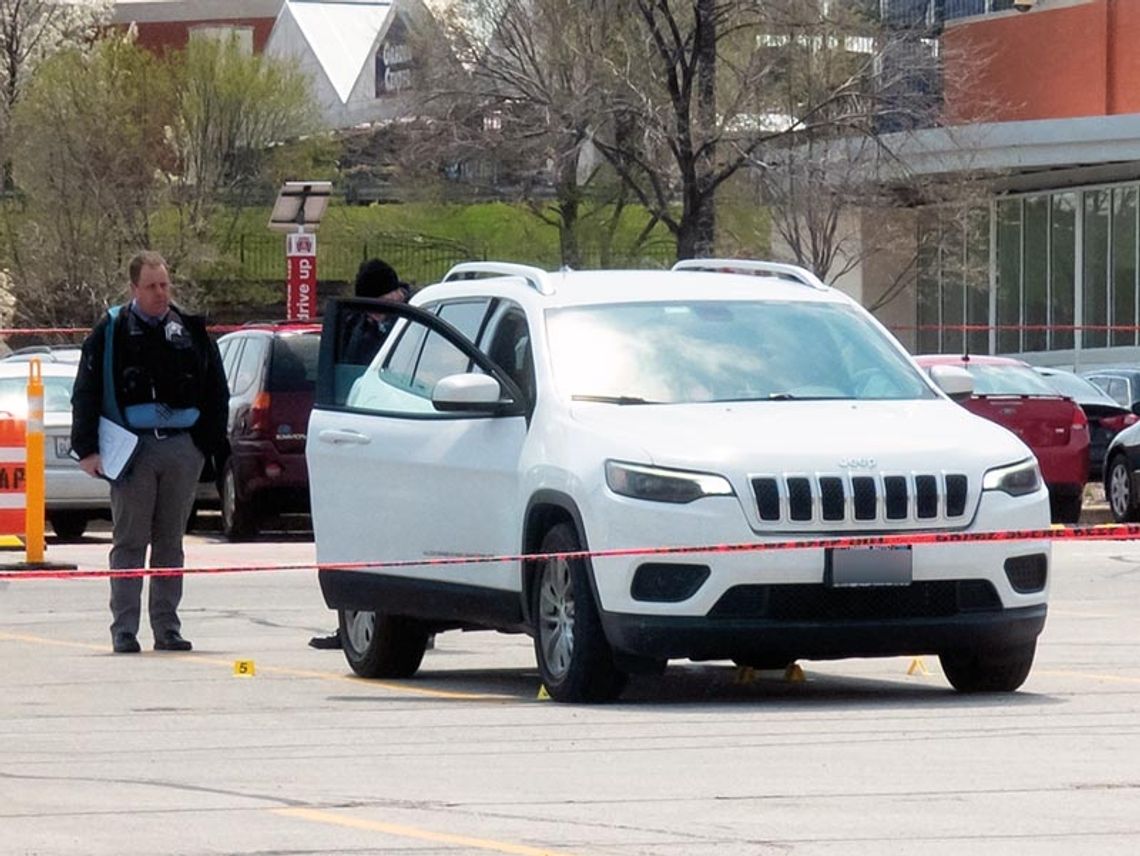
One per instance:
(376,278)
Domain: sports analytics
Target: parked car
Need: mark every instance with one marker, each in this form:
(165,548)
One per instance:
(1121,384)
(1122,475)
(271,370)
(71,497)
(1010,393)
(1106,417)
(46,354)
(514,411)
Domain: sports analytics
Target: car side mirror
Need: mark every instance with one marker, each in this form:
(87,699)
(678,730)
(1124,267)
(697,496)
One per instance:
(470,393)
(955,381)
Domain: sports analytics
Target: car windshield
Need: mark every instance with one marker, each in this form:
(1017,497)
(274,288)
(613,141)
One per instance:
(14,395)
(1008,380)
(293,366)
(693,351)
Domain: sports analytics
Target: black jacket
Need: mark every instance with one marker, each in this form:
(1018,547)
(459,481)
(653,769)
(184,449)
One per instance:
(209,393)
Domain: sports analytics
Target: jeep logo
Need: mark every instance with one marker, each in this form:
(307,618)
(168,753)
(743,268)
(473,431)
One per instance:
(857,463)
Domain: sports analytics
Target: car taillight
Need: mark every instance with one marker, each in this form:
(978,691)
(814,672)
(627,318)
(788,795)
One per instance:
(1119,422)
(1080,421)
(259,414)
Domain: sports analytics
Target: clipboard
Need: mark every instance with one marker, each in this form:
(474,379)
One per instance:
(117,447)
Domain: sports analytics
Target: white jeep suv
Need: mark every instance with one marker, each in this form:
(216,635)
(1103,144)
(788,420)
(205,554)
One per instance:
(515,412)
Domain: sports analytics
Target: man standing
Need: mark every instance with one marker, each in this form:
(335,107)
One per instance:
(152,369)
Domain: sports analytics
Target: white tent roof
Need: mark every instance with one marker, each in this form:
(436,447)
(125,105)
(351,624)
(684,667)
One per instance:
(341,35)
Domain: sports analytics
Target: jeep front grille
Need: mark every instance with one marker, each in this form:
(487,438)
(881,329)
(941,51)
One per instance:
(862,501)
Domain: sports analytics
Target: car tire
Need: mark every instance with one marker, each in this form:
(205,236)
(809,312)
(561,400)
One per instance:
(377,645)
(1118,491)
(239,517)
(574,658)
(997,671)
(1065,507)
(68,525)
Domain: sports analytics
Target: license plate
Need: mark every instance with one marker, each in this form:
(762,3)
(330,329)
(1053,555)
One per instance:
(868,566)
(62,447)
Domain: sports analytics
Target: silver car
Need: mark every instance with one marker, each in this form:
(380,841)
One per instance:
(72,497)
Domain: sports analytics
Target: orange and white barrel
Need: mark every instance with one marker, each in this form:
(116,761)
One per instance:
(13,475)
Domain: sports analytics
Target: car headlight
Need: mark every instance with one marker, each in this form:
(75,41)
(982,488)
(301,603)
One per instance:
(1015,479)
(660,485)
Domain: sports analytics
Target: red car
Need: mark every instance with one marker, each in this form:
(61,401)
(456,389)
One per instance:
(1010,393)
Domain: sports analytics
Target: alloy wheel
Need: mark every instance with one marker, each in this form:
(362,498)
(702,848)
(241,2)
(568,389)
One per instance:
(556,616)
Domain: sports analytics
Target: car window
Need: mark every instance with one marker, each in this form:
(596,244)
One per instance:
(691,351)
(405,380)
(248,369)
(1077,388)
(509,346)
(14,395)
(293,363)
(1117,389)
(1008,380)
(230,357)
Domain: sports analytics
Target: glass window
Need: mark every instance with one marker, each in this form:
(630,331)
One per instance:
(241,36)
(953,284)
(293,363)
(928,309)
(14,395)
(978,279)
(1117,388)
(248,370)
(509,347)
(1009,276)
(694,351)
(230,350)
(1124,223)
(1035,265)
(1008,380)
(1095,281)
(1062,270)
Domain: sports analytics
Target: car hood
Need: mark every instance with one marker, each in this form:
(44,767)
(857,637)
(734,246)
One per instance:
(809,436)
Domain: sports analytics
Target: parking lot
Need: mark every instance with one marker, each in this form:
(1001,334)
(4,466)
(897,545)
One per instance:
(174,753)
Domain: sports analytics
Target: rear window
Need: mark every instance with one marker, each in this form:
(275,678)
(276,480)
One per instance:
(293,363)
(14,395)
(1009,380)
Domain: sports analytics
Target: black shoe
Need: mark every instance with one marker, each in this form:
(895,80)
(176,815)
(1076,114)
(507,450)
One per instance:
(326,642)
(172,640)
(125,643)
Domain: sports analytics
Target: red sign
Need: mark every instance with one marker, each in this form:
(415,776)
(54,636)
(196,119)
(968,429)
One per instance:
(301,285)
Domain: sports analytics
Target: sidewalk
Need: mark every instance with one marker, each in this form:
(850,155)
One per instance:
(1095,510)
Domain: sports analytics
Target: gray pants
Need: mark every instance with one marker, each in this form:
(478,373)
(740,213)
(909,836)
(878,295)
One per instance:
(150,505)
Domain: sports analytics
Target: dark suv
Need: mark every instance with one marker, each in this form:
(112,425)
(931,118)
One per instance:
(271,370)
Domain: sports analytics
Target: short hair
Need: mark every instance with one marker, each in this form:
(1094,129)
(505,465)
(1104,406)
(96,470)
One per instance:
(141,259)
(376,278)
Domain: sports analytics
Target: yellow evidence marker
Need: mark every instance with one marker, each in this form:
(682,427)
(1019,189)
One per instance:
(244,669)
(917,667)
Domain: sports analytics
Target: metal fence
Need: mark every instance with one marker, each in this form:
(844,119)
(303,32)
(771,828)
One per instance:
(418,260)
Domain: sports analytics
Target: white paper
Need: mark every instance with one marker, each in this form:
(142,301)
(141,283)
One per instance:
(116,447)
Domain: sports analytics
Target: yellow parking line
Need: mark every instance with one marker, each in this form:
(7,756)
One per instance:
(279,670)
(1092,676)
(412,832)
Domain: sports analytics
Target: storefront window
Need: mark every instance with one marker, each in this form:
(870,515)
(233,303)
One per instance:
(1062,270)
(1095,280)
(1036,266)
(1124,246)
(1008,276)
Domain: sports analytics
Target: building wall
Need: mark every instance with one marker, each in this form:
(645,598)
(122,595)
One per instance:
(162,36)
(1061,60)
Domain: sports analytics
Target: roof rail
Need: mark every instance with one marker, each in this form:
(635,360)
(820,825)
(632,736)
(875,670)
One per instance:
(754,268)
(535,277)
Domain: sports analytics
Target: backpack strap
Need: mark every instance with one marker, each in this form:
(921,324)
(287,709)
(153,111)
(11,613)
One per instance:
(110,403)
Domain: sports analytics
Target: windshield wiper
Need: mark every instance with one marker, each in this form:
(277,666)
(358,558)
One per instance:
(613,399)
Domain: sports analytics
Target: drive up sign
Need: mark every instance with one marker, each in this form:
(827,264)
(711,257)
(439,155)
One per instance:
(301,284)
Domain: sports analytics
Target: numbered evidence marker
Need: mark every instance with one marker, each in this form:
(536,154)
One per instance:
(244,669)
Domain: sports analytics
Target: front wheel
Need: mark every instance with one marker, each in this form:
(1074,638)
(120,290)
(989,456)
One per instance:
(377,645)
(574,659)
(68,525)
(1118,490)
(1002,670)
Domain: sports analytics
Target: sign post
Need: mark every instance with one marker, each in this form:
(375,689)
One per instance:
(301,284)
(297,211)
